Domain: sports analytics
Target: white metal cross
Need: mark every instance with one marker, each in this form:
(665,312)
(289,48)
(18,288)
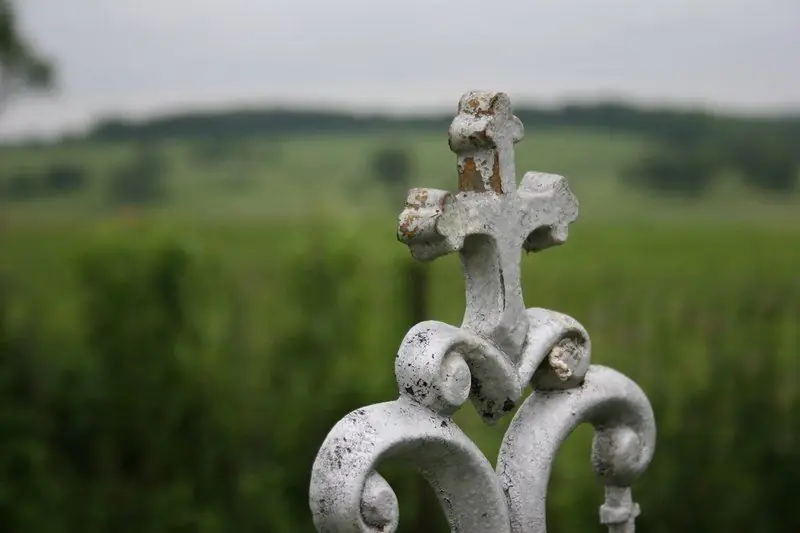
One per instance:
(489,221)
(500,349)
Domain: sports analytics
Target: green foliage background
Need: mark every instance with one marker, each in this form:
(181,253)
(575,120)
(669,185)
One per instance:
(176,367)
(182,379)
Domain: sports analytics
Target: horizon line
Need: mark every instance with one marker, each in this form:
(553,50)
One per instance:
(398,110)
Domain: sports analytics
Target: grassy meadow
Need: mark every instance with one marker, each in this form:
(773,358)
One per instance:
(265,178)
(699,301)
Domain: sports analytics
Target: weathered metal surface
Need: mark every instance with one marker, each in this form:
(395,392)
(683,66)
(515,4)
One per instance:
(623,445)
(498,350)
(489,221)
(347,494)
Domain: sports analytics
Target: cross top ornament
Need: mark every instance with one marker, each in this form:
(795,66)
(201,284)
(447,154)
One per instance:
(489,221)
(500,348)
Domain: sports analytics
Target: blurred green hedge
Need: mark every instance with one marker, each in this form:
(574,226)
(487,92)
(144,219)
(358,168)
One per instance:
(183,381)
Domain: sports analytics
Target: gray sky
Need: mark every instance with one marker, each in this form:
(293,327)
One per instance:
(144,56)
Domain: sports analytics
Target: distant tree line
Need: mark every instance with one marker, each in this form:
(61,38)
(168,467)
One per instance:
(139,181)
(239,124)
(27,184)
(662,125)
(692,147)
(688,166)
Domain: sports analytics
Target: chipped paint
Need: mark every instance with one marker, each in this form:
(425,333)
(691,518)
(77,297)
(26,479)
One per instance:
(469,177)
(494,180)
(499,349)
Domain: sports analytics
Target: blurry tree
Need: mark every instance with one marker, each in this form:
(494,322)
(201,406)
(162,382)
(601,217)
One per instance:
(213,152)
(392,168)
(26,463)
(765,163)
(22,185)
(684,170)
(236,162)
(65,178)
(142,181)
(22,68)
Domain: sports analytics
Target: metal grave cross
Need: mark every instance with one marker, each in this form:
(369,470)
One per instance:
(499,349)
(489,221)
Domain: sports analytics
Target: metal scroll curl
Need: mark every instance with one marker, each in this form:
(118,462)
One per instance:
(500,349)
(623,446)
(348,495)
(438,367)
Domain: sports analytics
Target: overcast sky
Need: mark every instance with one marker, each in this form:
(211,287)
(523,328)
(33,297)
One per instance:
(144,56)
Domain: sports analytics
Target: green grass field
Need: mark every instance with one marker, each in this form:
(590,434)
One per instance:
(272,190)
(698,301)
(331,176)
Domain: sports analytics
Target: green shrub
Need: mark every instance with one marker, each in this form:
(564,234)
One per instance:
(142,181)
(187,393)
(31,491)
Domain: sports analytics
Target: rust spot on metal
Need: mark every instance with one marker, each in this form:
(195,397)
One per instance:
(404,231)
(480,139)
(495,181)
(493,104)
(477,107)
(469,177)
(405,235)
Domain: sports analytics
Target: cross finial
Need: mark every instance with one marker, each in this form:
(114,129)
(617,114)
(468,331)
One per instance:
(489,222)
(500,349)
(483,136)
